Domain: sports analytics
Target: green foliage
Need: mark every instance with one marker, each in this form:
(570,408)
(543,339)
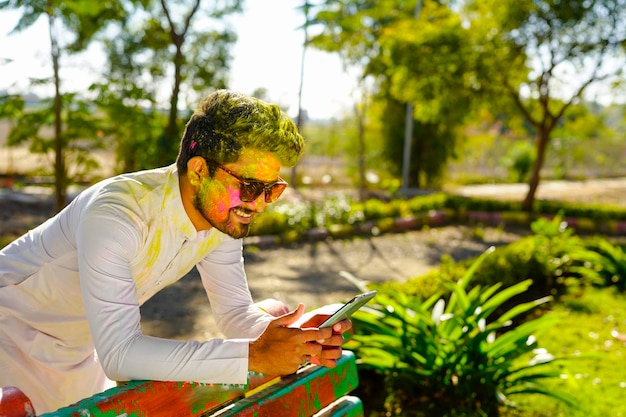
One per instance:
(292,216)
(341,210)
(32,126)
(131,130)
(418,58)
(299,216)
(556,260)
(465,204)
(447,356)
(604,264)
(376,209)
(81,18)
(520,160)
(517,31)
(165,43)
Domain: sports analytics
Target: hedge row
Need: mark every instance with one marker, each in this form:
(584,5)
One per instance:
(339,217)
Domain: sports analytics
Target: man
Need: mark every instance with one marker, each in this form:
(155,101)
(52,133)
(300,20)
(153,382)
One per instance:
(70,290)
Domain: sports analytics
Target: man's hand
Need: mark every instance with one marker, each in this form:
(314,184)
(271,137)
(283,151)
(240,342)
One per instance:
(331,347)
(280,350)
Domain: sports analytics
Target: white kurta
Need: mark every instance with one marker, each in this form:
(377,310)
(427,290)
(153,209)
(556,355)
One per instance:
(76,282)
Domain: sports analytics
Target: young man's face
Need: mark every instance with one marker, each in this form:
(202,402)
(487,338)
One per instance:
(219,199)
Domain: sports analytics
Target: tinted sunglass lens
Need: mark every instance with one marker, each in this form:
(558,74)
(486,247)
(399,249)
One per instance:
(274,192)
(251,191)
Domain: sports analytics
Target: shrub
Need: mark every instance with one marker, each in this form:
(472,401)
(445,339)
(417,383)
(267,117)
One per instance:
(520,160)
(426,203)
(441,356)
(604,264)
(553,258)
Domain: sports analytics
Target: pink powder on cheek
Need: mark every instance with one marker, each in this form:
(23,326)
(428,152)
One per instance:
(233,196)
(224,205)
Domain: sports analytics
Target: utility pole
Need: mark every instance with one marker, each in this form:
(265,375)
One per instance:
(300,119)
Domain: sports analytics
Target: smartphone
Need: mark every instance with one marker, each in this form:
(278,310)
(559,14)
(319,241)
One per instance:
(348,308)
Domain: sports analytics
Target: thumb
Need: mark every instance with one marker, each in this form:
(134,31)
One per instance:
(286,319)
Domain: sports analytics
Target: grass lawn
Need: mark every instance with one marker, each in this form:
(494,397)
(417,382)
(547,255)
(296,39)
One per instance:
(596,376)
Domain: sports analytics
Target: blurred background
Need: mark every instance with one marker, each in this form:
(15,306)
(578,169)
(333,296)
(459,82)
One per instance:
(394,97)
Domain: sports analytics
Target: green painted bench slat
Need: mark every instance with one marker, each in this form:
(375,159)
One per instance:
(346,406)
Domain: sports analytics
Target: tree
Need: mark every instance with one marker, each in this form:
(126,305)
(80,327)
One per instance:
(11,110)
(127,98)
(167,40)
(566,47)
(81,18)
(422,61)
(79,135)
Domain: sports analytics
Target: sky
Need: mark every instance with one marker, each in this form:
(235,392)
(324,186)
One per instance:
(268,55)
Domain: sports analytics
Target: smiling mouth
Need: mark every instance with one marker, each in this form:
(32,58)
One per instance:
(241,212)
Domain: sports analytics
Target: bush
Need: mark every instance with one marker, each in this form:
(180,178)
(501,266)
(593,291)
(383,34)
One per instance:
(553,258)
(520,160)
(605,264)
(445,356)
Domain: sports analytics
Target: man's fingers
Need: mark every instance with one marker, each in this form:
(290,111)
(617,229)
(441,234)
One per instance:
(329,363)
(334,340)
(342,326)
(327,357)
(332,353)
(286,319)
(315,335)
(312,349)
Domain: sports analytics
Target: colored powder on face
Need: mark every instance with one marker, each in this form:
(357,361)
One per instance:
(214,207)
(259,171)
(222,207)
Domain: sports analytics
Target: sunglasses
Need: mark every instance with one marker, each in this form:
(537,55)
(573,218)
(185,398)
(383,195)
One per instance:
(250,190)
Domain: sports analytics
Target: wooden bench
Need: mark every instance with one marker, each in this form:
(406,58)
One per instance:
(312,391)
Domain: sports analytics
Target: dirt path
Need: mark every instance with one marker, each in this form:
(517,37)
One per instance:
(312,273)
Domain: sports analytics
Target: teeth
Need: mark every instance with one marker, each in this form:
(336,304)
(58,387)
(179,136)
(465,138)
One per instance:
(242,213)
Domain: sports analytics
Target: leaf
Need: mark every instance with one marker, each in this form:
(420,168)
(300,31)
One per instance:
(465,279)
(501,297)
(511,340)
(522,308)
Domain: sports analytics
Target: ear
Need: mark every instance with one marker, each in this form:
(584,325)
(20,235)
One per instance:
(196,170)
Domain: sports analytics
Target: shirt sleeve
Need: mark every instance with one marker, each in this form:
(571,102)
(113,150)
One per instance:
(224,279)
(105,241)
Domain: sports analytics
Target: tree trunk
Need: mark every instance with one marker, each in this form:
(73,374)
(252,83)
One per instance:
(171,131)
(533,183)
(59,157)
(360,115)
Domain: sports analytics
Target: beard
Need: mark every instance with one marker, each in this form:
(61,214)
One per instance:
(235,230)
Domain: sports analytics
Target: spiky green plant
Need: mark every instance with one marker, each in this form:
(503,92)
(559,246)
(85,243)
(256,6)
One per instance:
(444,357)
(604,264)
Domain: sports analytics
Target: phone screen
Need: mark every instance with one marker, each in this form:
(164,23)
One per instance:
(348,308)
